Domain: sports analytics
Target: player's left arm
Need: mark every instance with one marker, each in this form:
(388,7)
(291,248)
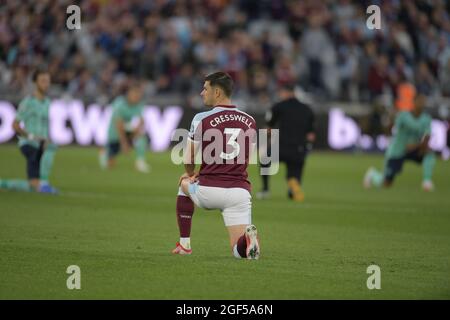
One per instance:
(139,130)
(124,145)
(192,147)
(189,161)
(422,145)
(22,113)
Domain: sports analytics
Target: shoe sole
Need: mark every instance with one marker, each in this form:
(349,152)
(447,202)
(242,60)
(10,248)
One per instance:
(179,250)
(251,236)
(182,253)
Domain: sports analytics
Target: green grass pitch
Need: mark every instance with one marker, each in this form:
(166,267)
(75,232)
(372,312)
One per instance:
(120,226)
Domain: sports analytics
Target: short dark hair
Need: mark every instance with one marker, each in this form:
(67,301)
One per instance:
(133,84)
(222,80)
(38,72)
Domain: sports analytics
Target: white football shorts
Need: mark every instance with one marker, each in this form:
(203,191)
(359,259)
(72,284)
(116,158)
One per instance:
(235,203)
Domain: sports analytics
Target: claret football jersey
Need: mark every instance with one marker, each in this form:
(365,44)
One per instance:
(225,136)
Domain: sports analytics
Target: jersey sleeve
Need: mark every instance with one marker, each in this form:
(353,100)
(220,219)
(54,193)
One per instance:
(400,120)
(195,130)
(22,111)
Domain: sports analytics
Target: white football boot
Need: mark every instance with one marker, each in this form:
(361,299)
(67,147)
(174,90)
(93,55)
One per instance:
(428,186)
(251,237)
(142,166)
(367,181)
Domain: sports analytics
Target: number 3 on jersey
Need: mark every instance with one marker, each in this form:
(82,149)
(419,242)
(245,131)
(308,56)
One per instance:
(234,132)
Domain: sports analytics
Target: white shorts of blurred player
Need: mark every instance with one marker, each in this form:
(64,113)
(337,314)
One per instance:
(235,203)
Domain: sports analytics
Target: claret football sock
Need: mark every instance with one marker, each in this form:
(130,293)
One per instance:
(241,246)
(185,211)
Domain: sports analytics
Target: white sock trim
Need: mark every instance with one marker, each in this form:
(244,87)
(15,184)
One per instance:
(186,243)
(235,252)
(181,193)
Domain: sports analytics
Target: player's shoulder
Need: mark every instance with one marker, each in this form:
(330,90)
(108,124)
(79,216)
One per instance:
(139,108)
(426,116)
(302,104)
(289,104)
(118,101)
(203,115)
(307,107)
(46,102)
(403,114)
(118,104)
(277,105)
(26,100)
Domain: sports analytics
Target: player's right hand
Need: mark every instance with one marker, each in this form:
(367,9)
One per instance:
(33,137)
(192,178)
(39,139)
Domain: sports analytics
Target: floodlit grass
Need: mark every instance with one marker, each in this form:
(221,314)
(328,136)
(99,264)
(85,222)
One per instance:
(120,226)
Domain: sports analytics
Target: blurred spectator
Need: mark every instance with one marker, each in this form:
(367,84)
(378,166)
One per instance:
(322,45)
(444,78)
(405,93)
(367,59)
(378,78)
(83,85)
(317,46)
(424,79)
